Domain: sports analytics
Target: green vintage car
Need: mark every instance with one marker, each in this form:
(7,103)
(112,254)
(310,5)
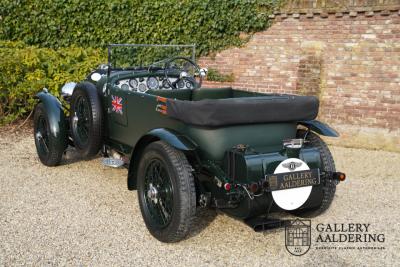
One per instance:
(186,147)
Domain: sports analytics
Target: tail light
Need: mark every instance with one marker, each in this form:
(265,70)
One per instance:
(227,186)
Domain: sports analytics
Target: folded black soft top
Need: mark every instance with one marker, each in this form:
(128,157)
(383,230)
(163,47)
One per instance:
(244,110)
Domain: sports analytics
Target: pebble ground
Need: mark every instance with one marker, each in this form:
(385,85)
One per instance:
(81,213)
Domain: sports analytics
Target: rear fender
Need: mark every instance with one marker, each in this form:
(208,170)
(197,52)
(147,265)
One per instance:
(319,127)
(171,137)
(56,117)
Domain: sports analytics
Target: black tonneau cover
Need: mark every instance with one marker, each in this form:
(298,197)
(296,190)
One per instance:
(244,110)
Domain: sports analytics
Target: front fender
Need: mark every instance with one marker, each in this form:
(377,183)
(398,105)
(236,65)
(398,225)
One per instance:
(319,127)
(56,117)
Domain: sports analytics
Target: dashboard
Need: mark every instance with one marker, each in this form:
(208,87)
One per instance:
(142,84)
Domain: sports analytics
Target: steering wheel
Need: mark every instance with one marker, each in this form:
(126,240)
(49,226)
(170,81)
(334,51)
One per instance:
(183,72)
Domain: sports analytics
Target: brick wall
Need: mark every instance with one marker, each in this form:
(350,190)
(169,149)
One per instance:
(349,59)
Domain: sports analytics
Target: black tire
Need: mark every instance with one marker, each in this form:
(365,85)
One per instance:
(86,120)
(328,185)
(49,147)
(179,172)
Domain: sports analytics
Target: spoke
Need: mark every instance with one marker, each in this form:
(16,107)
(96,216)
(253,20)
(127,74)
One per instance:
(84,131)
(155,173)
(146,181)
(79,131)
(161,212)
(44,144)
(152,174)
(167,200)
(164,211)
(42,138)
(161,176)
(155,210)
(152,208)
(160,205)
(85,112)
(79,107)
(83,121)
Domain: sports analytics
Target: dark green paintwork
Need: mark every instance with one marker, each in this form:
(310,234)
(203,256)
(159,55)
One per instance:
(254,168)
(141,124)
(173,138)
(215,141)
(140,118)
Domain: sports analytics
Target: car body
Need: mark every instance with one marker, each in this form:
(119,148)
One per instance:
(246,153)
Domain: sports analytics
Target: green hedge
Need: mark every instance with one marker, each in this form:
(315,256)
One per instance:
(216,76)
(25,70)
(66,39)
(211,25)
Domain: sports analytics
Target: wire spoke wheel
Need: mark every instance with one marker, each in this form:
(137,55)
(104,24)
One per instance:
(82,118)
(42,135)
(86,120)
(158,193)
(49,146)
(166,192)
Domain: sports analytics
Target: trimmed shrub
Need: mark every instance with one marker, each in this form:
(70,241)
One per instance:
(25,70)
(66,39)
(216,76)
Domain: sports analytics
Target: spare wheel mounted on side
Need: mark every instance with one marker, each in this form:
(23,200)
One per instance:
(86,119)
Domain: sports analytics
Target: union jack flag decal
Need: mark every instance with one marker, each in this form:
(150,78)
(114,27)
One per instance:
(116,104)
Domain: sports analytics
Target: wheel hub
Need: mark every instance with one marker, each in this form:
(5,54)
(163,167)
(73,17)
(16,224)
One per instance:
(152,193)
(39,135)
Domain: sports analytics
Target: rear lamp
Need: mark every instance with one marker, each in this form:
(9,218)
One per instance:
(227,186)
(339,176)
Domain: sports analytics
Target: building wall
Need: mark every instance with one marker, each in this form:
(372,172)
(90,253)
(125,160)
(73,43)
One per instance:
(349,59)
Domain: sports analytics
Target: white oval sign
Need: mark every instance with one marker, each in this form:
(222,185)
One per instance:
(290,199)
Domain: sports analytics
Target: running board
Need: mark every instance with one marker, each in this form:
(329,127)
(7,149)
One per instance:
(260,224)
(113,162)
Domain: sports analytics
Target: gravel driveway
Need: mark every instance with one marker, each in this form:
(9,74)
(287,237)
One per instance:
(81,213)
